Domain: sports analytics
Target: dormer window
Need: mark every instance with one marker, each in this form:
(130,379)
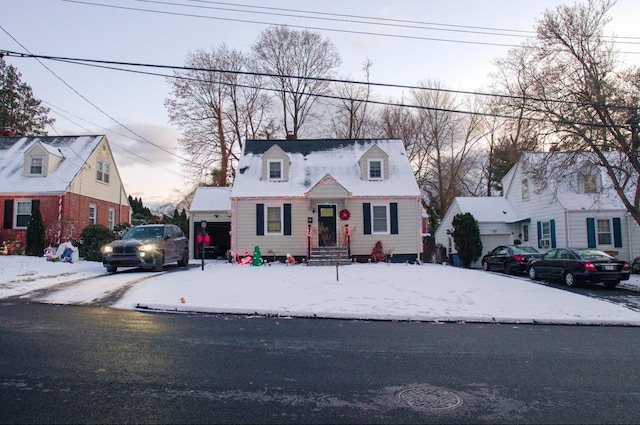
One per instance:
(275,170)
(102,173)
(589,180)
(375,169)
(590,183)
(36,165)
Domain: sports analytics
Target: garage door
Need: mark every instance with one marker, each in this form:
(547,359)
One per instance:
(491,241)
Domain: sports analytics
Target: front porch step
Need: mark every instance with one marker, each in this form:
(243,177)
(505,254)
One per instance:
(329,255)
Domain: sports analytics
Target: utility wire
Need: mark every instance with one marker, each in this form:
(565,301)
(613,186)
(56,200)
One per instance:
(246,21)
(91,103)
(104,64)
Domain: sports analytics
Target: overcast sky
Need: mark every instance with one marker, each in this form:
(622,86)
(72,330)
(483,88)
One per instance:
(456,44)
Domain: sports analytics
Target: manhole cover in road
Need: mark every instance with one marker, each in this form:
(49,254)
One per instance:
(430,398)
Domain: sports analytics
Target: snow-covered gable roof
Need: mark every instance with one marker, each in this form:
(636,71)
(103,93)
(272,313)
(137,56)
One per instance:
(211,199)
(488,209)
(562,181)
(313,160)
(74,150)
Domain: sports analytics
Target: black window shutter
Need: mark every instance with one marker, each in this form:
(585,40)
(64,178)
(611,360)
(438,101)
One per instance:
(617,233)
(393,207)
(8,214)
(591,233)
(260,219)
(35,205)
(287,219)
(366,214)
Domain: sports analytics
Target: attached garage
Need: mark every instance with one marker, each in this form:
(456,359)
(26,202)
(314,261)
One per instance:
(213,205)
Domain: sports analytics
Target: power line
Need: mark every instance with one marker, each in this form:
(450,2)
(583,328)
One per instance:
(103,64)
(88,101)
(350,31)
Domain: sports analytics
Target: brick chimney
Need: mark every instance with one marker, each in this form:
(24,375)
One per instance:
(291,136)
(8,132)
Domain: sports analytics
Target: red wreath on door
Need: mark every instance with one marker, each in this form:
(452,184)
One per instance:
(345,214)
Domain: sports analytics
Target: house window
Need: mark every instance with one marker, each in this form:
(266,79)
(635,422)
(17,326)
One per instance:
(525,190)
(23,213)
(525,233)
(590,185)
(274,220)
(546,230)
(379,219)
(275,170)
(112,218)
(102,174)
(375,169)
(604,232)
(35,165)
(93,213)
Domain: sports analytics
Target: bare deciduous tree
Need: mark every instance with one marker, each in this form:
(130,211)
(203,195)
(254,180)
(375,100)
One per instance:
(297,62)
(449,148)
(216,110)
(352,117)
(577,87)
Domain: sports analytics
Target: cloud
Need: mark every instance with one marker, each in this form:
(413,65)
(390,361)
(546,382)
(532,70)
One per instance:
(153,145)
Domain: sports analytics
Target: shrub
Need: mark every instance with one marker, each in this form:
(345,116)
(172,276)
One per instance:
(93,237)
(466,237)
(35,243)
(377,253)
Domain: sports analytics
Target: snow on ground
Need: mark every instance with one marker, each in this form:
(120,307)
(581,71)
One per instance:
(430,292)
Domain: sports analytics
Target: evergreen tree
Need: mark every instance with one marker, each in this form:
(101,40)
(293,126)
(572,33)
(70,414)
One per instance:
(35,237)
(466,237)
(139,213)
(19,110)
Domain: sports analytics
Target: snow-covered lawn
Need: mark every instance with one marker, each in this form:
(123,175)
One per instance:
(364,291)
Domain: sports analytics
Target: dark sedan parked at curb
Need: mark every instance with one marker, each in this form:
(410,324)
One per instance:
(576,266)
(148,246)
(509,258)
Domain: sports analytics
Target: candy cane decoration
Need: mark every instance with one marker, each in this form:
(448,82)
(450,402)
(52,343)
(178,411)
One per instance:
(59,230)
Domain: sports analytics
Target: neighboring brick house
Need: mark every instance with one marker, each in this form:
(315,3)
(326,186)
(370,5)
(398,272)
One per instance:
(73,179)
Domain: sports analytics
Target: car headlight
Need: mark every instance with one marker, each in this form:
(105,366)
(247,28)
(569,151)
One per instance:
(107,249)
(147,247)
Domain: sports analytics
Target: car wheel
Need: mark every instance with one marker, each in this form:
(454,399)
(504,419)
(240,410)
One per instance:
(485,266)
(112,269)
(532,273)
(158,261)
(570,280)
(507,268)
(185,258)
(612,284)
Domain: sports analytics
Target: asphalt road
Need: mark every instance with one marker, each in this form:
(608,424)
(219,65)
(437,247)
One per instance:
(76,364)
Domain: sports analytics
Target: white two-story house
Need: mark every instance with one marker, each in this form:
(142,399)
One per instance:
(579,209)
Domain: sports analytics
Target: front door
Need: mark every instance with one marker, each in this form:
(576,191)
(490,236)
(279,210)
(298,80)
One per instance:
(327,225)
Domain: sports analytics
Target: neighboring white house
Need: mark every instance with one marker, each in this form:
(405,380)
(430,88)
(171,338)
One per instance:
(292,195)
(579,209)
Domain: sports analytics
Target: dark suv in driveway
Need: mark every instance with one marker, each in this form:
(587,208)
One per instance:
(148,246)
